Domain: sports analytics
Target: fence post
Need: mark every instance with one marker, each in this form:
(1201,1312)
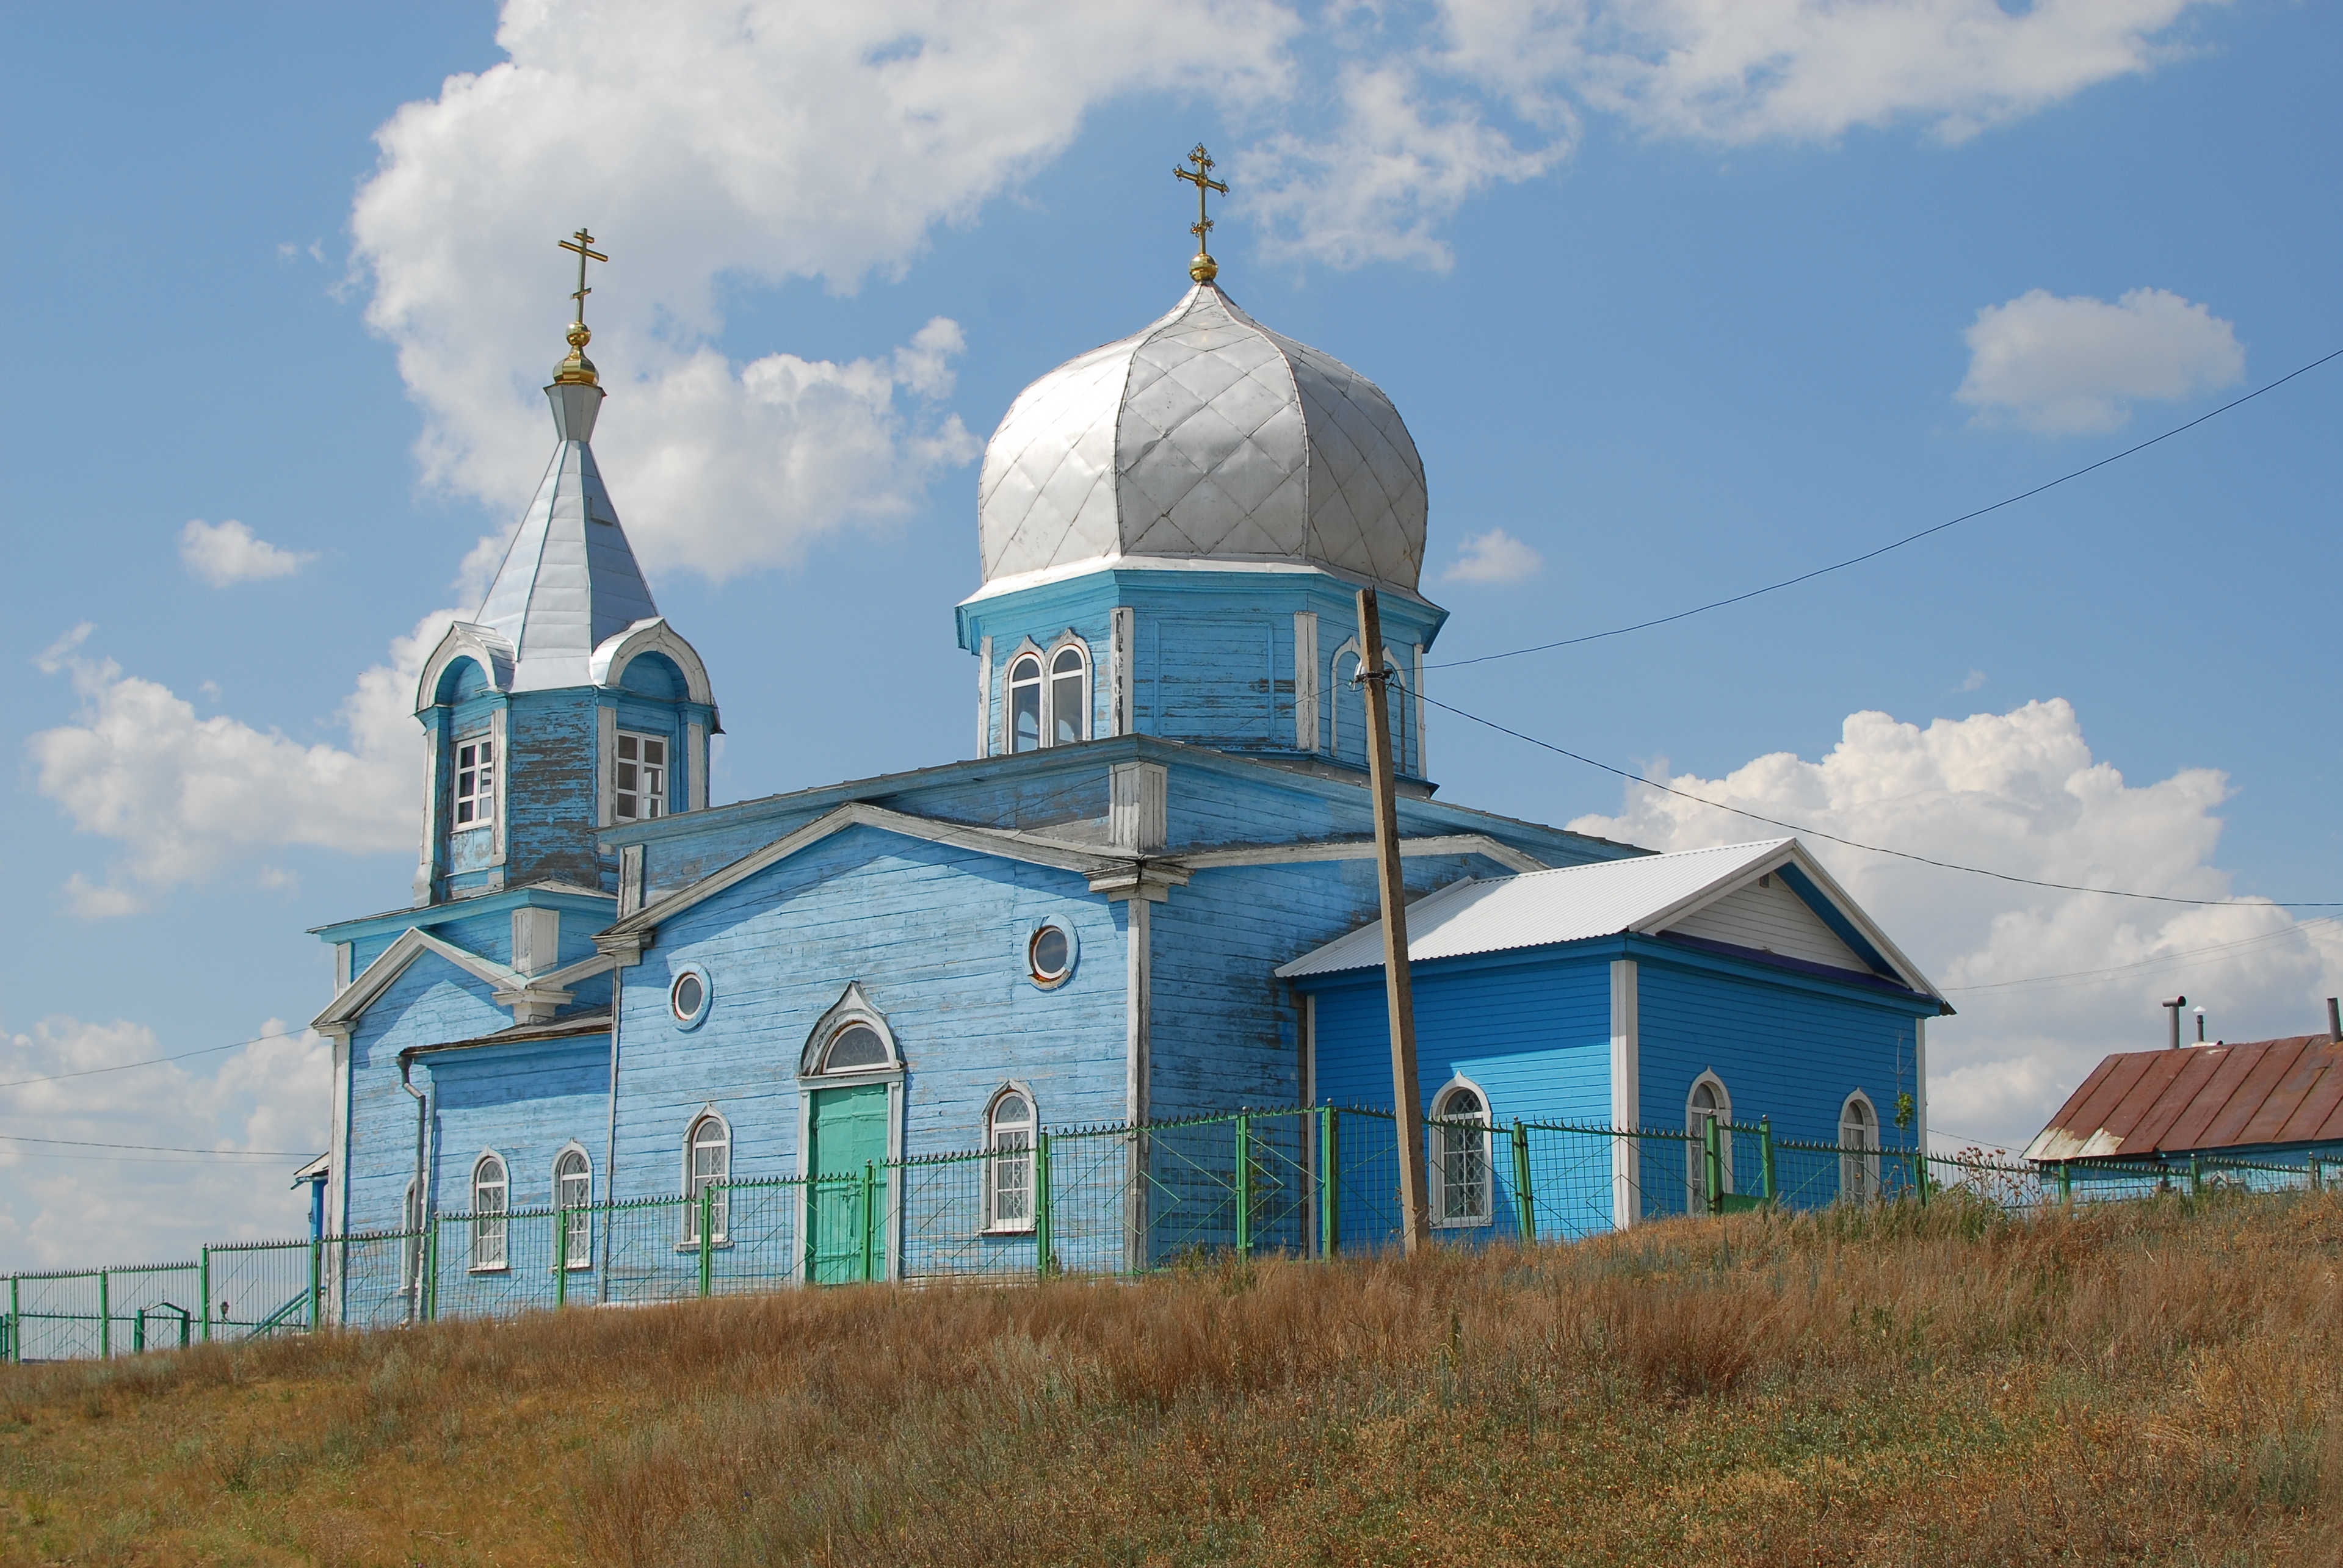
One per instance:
(15,1323)
(707,1238)
(1765,1158)
(1042,1240)
(1245,1184)
(1329,1182)
(317,1283)
(429,1292)
(204,1283)
(1712,1165)
(1523,1199)
(105,1316)
(1920,1176)
(2196,1178)
(870,1206)
(561,1257)
(2065,1182)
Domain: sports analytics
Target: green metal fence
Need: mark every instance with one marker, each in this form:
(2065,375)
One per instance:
(1309,1181)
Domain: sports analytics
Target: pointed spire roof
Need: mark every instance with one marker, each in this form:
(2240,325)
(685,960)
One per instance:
(568,579)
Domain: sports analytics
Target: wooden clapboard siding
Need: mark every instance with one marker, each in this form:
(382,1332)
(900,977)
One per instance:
(1771,919)
(430,1002)
(935,936)
(1789,1049)
(527,1101)
(1535,1033)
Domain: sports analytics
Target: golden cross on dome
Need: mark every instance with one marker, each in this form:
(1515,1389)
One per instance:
(583,243)
(1203,269)
(576,370)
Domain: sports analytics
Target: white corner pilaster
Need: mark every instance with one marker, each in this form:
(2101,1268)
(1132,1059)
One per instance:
(536,940)
(1423,753)
(1123,626)
(343,958)
(984,697)
(695,754)
(427,863)
(630,879)
(1138,985)
(606,761)
(1305,680)
(1626,1097)
(1139,806)
(502,756)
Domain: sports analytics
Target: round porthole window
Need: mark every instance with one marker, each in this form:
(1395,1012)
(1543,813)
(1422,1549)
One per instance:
(688,996)
(1050,955)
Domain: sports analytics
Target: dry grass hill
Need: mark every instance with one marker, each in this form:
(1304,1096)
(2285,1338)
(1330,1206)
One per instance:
(2155,1383)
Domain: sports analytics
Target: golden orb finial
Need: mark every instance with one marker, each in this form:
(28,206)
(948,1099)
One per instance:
(1202,266)
(576,369)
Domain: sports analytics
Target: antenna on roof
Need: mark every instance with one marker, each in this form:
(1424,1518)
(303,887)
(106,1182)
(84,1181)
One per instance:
(2334,1021)
(2200,1026)
(2173,1008)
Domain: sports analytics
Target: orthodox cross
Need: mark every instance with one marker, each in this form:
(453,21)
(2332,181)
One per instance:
(1203,269)
(583,243)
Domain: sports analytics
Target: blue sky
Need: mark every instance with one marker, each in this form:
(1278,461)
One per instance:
(1680,309)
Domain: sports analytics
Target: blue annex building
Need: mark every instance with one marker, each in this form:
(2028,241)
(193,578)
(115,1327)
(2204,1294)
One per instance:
(1143,892)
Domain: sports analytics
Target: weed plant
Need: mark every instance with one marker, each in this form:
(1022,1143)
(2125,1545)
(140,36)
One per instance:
(2148,1383)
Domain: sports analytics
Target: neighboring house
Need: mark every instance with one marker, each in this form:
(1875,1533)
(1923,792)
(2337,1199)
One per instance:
(2267,1100)
(604,988)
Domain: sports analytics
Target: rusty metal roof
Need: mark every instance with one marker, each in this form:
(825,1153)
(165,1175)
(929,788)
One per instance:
(2142,1103)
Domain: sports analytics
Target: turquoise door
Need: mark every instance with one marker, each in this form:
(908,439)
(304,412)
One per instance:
(846,1136)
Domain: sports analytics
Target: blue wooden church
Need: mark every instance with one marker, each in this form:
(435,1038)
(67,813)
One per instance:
(1144,892)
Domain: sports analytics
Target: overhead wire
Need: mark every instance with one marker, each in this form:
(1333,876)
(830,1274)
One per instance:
(2181,960)
(168,1148)
(1810,832)
(1897,545)
(150,1062)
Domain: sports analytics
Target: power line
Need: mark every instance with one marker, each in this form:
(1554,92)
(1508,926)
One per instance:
(1858,844)
(168,1148)
(2168,960)
(150,1062)
(1899,544)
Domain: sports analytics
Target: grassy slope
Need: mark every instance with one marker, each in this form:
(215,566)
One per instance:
(2153,1383)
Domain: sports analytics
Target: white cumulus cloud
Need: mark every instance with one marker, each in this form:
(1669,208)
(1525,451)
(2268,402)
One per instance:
(1496,556)
(1741,71)
(730,144)
(225,553)
(191,798)
(66,1206)
(2046,982)
(2063,367)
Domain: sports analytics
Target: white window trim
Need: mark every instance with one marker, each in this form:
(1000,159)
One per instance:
(1695,1171)
(484,736)
(1027,648)
(1073,952)
(1488,1117)
(706,996)
(1068,639)
(503,1263)
(1865,1168)
(665,795)
(1350,649)
(984,697)
(1014,1089)
(561,1213)
(1305,680)
(720,1230)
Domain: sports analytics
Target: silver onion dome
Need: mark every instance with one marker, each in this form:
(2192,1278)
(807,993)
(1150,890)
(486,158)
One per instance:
(1205,436)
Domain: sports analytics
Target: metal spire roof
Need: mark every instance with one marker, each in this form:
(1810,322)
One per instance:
(568,579)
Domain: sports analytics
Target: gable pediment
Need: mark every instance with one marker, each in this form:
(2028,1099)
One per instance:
(1766,916)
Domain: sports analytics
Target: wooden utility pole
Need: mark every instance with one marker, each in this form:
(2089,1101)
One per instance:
(1407,1096)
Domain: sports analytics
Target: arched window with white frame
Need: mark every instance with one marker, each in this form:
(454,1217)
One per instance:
(573,1194)
(1068,695)
(1009,1125)
(1348,726)
(706,1163)
(1858,1130)
(491,1195)
(1025,702)
(1461,1166)
(1709,1104)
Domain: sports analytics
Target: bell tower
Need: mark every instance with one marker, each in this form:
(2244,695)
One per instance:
(567,703)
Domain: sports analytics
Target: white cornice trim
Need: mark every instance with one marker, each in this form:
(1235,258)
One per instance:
(1480,844)
(361,993)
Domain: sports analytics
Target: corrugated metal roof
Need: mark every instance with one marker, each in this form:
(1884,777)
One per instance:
(2140,1103)
(1567,904)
